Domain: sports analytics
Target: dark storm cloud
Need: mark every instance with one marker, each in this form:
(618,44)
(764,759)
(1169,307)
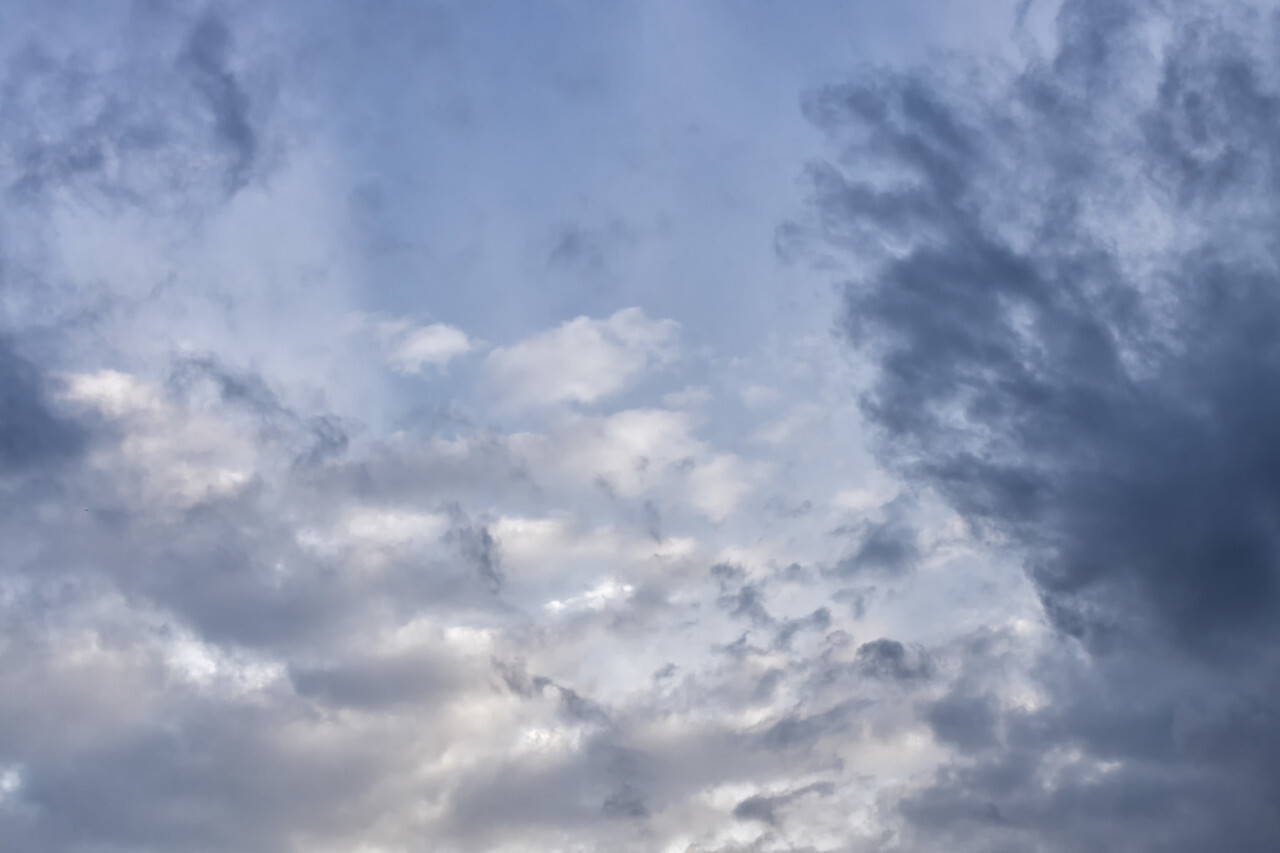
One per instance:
(32,435)
(1069,280)
(1109,419)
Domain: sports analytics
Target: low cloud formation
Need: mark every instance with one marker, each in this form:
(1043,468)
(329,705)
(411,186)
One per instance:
(1067,278)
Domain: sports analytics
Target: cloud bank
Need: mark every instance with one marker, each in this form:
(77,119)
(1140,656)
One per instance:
(1065,279)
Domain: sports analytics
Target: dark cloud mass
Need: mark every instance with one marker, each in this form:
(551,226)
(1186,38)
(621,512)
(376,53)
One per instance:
(32,435)
(1069,279)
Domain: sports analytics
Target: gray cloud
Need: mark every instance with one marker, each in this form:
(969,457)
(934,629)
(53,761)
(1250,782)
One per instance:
(314,438)
(32,435)
(818,620)
(1066,279)
(206,55)
(1042,387)
(747,604)
(477,546)
(376,682)
(888,548)
(765,808)
(969,722)
(123,126)
(890,659)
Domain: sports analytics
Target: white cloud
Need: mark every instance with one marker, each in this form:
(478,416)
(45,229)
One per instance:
(434,345)
(409,349)
(639,452)
(598,597)
(582,360)
(175,457)
(10,782)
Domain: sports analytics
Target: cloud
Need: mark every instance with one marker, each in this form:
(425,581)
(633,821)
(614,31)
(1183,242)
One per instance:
(640,452)
(888,547)
(252,599)
(411,348)
(1065,277)
(175,119)
(206,55)
(305,611)
(32,434)
(891,660)
(582,360)
(765,808)
(589,250)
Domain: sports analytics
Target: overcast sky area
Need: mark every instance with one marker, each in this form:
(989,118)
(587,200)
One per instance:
(669,426)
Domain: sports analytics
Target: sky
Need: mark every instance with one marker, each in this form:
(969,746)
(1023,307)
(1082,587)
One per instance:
(684,426)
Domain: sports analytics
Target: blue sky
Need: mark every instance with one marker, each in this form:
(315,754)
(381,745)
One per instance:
(638,426)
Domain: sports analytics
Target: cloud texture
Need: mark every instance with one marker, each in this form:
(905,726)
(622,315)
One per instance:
(1066,279)
(383,467)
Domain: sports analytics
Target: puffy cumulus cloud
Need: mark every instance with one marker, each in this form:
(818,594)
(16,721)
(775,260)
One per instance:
(231,621)
(583,360)
(410,348)
(218,638)
(1065,275)
(235,617)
